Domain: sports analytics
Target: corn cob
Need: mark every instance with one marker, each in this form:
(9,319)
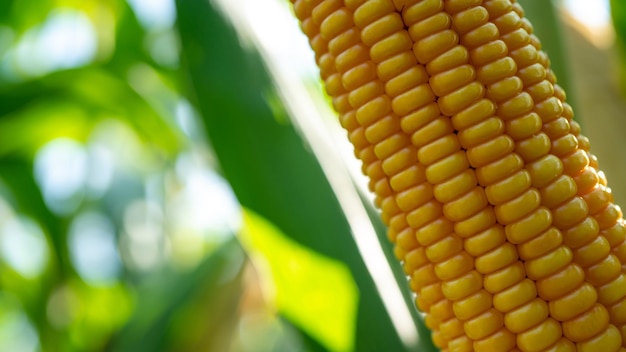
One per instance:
(407,249)
(476,166)
(486,134)
(592,251)
(372,167)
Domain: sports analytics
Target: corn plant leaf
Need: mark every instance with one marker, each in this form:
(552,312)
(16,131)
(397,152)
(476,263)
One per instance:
(270,168)
(618,15)
(326,292)
(214,286)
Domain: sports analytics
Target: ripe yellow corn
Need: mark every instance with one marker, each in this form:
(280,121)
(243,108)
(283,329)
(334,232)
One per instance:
(504,223)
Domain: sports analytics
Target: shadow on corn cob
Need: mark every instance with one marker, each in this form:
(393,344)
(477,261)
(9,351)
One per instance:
(497,209)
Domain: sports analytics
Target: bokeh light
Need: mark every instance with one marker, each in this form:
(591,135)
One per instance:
(66,39)
(120,229)
(23,246)
(93,248)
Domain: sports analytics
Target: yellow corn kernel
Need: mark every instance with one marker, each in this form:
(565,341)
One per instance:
(525,317)
(484,325)
(559,284)
(515,296)
(573,303)
(540,337)
(497,208)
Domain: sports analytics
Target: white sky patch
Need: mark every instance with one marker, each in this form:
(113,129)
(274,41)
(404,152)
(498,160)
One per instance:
(158,18)
(67,39)
(93,248)
(61,168)
(100,170)
(591,13)
(23,246)
(279,31)
(17,333)
(143,226)
(154,14)
(187,119)
(201,209)
(206,204)
(592,19)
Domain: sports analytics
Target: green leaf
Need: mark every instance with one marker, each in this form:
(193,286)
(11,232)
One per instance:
(68,103)
(271,170)
(164,302)
(24,14)
(618,15)
(315,292)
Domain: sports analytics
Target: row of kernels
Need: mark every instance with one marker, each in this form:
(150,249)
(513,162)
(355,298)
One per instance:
(406,247)
(406,86)
(556,190)
(391,149)
(524,312)
(449,239)
(452,83)
(356,134)
(311,14)
(598,199)
(564,145)
(609,215)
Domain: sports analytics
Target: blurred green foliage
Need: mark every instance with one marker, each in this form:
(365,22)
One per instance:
(155,194)
(118,231)
(618,15)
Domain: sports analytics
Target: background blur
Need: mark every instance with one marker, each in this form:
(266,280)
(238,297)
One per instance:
(172,178)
